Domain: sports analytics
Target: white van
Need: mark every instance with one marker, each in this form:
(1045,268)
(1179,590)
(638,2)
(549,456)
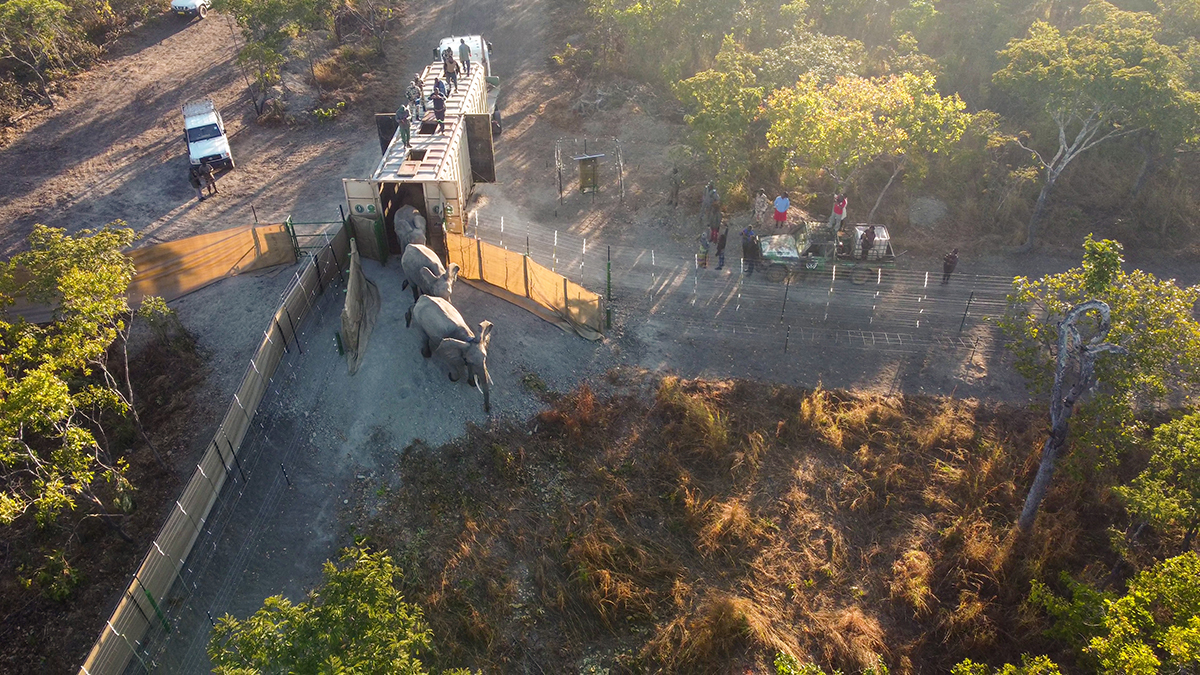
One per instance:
(204,132)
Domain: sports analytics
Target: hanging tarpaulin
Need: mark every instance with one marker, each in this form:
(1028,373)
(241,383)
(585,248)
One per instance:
(360,311)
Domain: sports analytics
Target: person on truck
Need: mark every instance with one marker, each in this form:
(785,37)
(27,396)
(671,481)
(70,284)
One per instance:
(415,96)
(868,241)
(439,110)
(452,69)
(404,123)
(464,55)
(839,213)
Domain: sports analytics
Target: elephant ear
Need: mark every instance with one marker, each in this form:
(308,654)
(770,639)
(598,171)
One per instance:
(452,271)
(427,277)
(485,334)
(452,352)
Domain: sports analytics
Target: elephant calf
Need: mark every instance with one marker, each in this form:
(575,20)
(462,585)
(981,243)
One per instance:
(445,335)
(424,272)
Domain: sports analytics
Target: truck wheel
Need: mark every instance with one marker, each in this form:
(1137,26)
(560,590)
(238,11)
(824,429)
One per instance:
(202,12)
(777,272)
(231,164)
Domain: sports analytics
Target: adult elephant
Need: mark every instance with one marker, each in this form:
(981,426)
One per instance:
(410,227)
(424,272)
(445,334)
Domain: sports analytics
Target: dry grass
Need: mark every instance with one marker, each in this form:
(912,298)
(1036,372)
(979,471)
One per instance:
(689,526)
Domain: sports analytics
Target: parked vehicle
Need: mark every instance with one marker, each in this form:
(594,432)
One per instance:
(191,8)
(811,249)
(204,133)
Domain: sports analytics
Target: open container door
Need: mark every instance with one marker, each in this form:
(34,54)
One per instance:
(366,218)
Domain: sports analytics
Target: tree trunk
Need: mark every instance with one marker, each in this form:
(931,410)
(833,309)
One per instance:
(1034,220)
(137,419)
(1062,406)
(1148,146)
(896,172)
(1041,482)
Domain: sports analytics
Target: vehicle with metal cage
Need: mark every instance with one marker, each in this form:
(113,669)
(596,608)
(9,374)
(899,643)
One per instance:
(811,249)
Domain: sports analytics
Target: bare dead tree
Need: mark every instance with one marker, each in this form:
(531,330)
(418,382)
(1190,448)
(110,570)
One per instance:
(1062,406)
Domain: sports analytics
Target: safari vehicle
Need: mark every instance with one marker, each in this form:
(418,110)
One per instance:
(204,132)
(811,250)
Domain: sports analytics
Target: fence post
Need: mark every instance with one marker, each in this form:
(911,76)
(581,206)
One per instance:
(525,269)
(479,256)
(566,300)
(965,312)
(608,293)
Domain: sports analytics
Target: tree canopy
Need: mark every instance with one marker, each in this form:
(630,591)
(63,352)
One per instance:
(56,384)
(356,621)
(1153,319)
(1107,78)
(1167,493)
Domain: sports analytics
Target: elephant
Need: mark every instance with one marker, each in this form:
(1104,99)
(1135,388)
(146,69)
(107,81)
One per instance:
(410,227)
(424,272)
(445,335)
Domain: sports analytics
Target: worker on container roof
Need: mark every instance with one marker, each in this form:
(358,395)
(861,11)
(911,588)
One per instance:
(464,55)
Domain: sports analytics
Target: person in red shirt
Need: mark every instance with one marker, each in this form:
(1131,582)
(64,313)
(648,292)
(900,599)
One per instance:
(839,212)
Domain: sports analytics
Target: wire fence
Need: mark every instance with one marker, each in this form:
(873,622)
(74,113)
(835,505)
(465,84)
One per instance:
(892,307)
(161,599)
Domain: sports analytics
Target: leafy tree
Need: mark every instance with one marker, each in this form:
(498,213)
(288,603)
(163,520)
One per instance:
(1105,79)
(927,123)
(56,380)
(1037,665)
(843,126)
(1150,318)
(808,52)
(838,128)
(724,105)
(1167,493)
(1155,627)
(32,33)
(356,621)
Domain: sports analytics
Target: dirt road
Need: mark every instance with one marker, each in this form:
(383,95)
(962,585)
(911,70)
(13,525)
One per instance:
(114,148)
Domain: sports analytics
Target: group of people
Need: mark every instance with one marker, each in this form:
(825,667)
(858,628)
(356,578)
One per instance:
(203,178)
(771,214)
(414,95)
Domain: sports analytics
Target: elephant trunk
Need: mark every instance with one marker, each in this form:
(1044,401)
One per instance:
(482,382)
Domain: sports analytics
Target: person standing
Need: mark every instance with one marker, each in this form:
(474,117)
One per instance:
(208,179)
(762,204)
(415,96)
(948,264)
(438,86)
(868,240)
(676,184)
(404,123)
(839,213)
(439,110)
(782,204)
(702,254)
(721,247)
(749,249)
(464,55)
(194,179)
(706,203)
(452,72)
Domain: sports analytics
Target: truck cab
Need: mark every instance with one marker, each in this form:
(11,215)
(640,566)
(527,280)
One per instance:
(204,133)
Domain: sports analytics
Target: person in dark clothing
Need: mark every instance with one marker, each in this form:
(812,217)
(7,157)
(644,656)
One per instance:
(439,110)
(404,123)
(439,86)
(948,265)
(868,241)
(749,249)
(721,247)
(194,180)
